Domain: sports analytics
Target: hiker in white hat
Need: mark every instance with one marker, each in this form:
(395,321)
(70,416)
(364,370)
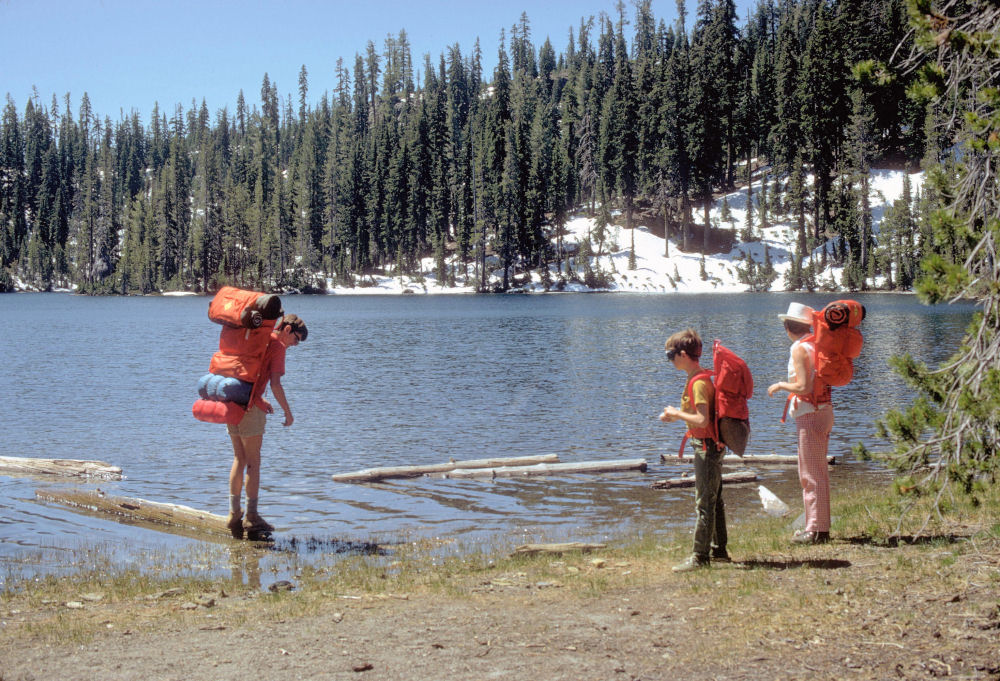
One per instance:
(810,404)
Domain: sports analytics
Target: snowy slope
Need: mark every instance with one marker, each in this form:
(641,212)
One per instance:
(681,272)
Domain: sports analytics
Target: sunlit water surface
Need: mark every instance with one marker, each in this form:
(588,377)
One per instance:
(389,381)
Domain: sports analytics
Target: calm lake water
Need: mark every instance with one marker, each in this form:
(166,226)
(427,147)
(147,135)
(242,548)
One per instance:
(388,381)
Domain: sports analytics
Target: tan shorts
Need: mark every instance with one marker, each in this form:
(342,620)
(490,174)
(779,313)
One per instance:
(251,425)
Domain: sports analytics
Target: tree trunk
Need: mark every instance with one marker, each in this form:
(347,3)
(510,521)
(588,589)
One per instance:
(666,232)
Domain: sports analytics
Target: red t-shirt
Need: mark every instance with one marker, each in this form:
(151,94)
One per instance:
(274,363)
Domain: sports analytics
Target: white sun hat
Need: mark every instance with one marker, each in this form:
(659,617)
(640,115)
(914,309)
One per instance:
(798,312)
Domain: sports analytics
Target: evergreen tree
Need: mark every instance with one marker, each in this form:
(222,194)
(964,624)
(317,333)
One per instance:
(950,433)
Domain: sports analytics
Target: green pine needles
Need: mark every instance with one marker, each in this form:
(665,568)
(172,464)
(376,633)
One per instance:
(951,432)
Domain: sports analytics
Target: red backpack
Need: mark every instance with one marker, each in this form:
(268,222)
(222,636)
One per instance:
(247,319)
(836,343)
(733,387)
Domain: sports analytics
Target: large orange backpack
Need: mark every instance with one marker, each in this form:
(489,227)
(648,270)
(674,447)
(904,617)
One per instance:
(247,319)
(837,340)
(733,387)
(836,344)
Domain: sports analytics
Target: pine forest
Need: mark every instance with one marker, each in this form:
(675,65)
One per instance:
(634,119)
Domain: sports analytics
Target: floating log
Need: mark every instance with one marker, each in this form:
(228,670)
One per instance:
(688,481)
(550,469)
(533,549)
(65,467)
(132,509)
(784,459)
(375,474)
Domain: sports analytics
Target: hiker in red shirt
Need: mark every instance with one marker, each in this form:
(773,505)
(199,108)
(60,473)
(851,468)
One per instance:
(248,434)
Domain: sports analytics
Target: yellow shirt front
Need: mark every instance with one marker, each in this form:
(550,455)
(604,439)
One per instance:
(704,393)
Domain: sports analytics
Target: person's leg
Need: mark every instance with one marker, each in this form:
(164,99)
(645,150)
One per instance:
(708,485)
(235,520)
(820,447)
(814,476)
(253,523)
(721,537)
(251,460)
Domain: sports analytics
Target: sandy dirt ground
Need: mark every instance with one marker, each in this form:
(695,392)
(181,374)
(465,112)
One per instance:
(845,610)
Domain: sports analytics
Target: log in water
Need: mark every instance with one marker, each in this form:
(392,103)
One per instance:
(550,469)
(376,474)
(16,465)
(688,481)
(132,509)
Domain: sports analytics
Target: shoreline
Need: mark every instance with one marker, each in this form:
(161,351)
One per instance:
(871,604)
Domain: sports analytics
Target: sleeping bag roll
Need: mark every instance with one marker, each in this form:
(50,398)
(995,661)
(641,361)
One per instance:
(211,411)
(224,389)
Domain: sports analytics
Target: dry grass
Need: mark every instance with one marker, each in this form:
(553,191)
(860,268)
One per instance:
(772,588)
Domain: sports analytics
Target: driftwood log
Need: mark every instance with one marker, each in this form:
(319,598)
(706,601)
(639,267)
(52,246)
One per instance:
(688,481)
(376,474)
(533,549)
(132,509)
(76,468)
(550,469)
(784,459)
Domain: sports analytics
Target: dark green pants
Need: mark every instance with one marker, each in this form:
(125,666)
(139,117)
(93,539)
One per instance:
(710,526)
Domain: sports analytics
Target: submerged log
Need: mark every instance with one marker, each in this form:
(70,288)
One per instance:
(66,467)
(132,509)
(688,481)
(551,469)
(375,474)
(533,549)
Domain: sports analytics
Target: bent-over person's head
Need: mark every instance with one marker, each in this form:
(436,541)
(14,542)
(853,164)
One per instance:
(296,324)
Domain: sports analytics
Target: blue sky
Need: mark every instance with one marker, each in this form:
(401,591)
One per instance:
(128,54)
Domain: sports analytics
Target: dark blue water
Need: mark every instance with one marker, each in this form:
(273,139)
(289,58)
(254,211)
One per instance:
(387,381)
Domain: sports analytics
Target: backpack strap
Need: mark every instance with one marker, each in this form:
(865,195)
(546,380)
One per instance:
(819,388)
(700,376)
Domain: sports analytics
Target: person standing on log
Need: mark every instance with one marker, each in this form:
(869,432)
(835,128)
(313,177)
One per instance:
(697,411)
(813,414)
(248,434)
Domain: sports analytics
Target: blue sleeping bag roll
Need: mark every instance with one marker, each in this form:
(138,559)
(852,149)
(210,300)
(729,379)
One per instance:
(224,389)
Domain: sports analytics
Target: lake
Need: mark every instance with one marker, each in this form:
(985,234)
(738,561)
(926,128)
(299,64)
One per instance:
(400,380)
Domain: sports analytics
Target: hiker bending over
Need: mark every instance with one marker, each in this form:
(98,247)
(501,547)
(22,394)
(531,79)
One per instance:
(810,404)
(248,435)
(696,410)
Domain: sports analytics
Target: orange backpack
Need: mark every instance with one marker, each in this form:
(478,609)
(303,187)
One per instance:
(733,387)
(247,319)
(837,340)
(836,343)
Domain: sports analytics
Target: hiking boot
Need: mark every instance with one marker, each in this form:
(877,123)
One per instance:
(253,523)
(235,524)
(811,537)
(721,556)
(693,562)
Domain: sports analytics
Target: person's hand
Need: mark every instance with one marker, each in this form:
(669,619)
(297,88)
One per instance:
(669,414)
(773,388)
(268,407)
(288,419)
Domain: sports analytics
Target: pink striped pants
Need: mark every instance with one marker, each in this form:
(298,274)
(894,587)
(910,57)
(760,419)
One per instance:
(814,473)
